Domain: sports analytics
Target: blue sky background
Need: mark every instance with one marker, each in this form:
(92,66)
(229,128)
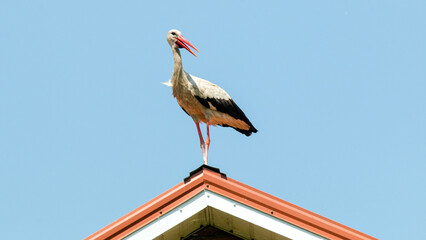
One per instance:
(335,88)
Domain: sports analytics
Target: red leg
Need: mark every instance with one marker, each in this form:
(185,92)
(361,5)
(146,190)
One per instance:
(202,144)
(207,143)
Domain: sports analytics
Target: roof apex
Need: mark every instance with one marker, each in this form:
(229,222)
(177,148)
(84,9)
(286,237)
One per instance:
(200,170)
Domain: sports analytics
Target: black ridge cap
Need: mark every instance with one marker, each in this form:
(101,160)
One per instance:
(200,170)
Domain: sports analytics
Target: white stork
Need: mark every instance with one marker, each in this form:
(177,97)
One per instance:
(202,100)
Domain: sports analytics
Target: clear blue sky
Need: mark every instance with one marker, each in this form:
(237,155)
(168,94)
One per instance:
(337,90)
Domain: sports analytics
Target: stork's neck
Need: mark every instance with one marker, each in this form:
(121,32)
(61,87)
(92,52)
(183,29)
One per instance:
(177,69)
(176,56)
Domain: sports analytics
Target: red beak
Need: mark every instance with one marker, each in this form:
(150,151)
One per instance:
(182,42)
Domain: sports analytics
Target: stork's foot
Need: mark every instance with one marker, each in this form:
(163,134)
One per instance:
(203,149)
(205,159)
(205,156)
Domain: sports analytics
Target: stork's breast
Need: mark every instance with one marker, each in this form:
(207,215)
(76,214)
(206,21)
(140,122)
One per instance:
(187,101)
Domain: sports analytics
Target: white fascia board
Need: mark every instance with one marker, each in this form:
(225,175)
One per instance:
(207,198)
(259,218)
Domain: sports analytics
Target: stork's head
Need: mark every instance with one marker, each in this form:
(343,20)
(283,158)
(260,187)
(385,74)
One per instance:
(176,40)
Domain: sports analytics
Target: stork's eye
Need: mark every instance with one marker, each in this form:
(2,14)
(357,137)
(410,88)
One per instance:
(173,33)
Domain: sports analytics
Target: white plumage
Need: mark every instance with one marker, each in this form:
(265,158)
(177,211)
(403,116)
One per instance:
(202,100)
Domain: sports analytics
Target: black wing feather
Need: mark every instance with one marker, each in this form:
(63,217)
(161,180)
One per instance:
(185,111)
(228,106)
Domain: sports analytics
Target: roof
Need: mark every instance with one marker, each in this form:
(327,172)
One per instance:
(209,198)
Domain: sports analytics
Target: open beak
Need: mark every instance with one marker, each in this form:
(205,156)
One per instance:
(183,43)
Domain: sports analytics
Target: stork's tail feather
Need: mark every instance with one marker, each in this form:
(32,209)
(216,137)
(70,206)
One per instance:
(245,132)
(168,84)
